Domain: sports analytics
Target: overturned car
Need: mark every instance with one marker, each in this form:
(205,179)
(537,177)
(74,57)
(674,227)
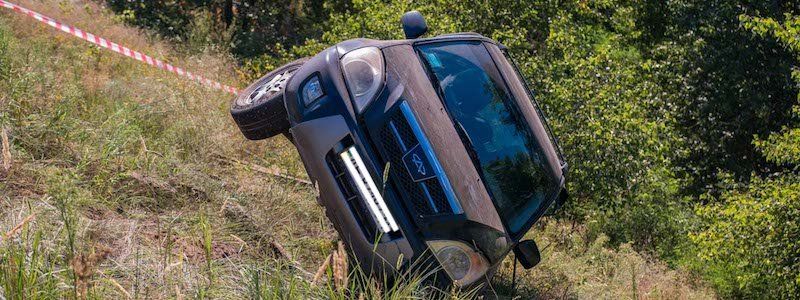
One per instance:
(423,149)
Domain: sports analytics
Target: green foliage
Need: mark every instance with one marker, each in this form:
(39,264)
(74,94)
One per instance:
(751,232)
(724,84)
(26,271)
(786,32)
(607,110)
(247,28)
(782,147)
(4,52)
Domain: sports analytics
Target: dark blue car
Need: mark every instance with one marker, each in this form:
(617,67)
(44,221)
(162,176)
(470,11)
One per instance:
(423,149)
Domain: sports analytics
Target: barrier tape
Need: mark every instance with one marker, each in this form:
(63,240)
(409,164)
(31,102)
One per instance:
(104,43)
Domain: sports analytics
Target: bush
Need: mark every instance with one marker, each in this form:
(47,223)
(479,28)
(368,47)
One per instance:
(752,233)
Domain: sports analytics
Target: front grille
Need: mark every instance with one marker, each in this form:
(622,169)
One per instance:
(403,130)
(426,198)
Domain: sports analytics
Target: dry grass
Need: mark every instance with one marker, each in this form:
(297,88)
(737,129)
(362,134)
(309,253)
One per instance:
(577,266)
(6,150)
(120,164)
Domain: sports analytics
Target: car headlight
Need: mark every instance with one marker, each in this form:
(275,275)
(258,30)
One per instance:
(363,71)
(463,264)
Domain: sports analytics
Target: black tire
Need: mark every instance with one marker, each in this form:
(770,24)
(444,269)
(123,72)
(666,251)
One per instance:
(259,110)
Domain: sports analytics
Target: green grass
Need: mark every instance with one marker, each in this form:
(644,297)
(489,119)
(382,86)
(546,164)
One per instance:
(131,176)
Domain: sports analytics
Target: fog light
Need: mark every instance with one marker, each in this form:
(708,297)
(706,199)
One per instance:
(455,261)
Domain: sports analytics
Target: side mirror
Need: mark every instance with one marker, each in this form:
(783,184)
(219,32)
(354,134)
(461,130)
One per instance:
(527,252)
(414,24)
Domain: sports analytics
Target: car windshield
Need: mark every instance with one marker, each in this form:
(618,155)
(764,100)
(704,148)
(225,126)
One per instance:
(511,162)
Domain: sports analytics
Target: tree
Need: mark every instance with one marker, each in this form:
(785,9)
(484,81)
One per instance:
(752,231)
(247,28)
(725,85)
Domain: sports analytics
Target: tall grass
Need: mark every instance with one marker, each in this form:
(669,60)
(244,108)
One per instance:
(207,236)
(26,269)
(276,280)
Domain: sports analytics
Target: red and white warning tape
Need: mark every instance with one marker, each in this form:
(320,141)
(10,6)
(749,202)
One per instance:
(116,47)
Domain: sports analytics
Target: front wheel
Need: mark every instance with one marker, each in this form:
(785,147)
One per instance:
(259,110)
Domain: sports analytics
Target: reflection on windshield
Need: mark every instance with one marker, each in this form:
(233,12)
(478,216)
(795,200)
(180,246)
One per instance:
(511,161)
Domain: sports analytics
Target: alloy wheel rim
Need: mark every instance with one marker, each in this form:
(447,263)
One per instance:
(274,85)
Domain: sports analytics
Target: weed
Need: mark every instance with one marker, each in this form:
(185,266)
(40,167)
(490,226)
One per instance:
(84,266)
(205,230)
(26,272)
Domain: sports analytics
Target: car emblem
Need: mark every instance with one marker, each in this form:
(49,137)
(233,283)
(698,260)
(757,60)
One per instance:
(417,164)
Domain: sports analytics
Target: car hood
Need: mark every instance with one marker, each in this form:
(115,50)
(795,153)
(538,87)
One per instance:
(407,81)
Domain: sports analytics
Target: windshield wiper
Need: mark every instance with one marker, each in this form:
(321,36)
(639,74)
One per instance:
(462,133)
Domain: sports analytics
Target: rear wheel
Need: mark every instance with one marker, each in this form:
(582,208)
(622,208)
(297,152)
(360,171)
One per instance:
(259,110)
